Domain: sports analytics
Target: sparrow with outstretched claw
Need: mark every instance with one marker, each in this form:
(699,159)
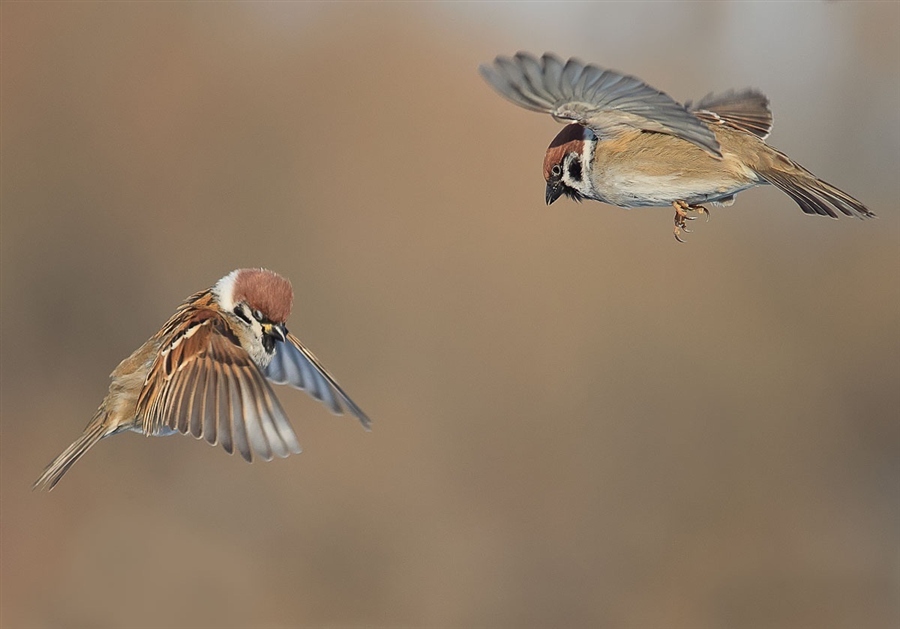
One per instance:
(631,145)
(208,371)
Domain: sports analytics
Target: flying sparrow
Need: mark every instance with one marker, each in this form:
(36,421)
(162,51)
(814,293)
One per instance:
(207,372)
(631,145)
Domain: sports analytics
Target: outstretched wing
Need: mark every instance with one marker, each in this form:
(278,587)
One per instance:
(604,100)
(203,383)
(295,365)
(747,110)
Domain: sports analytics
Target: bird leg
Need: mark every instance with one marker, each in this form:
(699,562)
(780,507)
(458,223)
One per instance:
(681,215)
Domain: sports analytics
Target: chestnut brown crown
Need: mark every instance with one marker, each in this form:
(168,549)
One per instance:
(265,291)
(569,140)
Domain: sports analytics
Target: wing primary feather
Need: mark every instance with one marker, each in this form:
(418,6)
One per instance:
(296,374)
(195,399)
(235,412)
(189,393)
(279,419)
(552,72)
(260,396)
(177,410)
(604,100)
(571,74)
(307,378)
(328,397)
(205,414)
(531,70)
(501,78)
(172,410)
(168,408)
(222,410)
(356,410)
(518,76)
(254,423)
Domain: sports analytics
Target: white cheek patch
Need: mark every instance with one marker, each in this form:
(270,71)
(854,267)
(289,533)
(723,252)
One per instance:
(583,185)
(224,291)
(587,156)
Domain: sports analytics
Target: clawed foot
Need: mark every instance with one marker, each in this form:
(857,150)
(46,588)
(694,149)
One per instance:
(681,216)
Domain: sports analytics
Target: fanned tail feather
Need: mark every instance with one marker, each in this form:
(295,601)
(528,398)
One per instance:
(55,471)
(813,195)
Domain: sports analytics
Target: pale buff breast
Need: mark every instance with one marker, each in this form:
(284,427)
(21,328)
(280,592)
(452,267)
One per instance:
(653,169)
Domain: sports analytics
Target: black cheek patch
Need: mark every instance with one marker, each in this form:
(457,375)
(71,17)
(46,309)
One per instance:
(239,311)
(575,170)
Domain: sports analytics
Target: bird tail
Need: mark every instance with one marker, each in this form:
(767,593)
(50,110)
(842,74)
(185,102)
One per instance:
(813,195)
(94,432)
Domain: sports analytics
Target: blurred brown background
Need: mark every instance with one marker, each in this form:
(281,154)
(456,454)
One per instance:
(578,421)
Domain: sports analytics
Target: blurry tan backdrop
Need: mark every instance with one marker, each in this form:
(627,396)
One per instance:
(578,421)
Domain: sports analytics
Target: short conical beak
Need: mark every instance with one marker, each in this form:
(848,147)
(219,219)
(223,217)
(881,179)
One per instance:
(554,191)
(276,330)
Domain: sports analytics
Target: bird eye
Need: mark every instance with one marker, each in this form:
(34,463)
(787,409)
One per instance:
(556,171)
(257,315)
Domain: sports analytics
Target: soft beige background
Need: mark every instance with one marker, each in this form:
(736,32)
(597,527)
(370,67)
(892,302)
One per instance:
(578,421)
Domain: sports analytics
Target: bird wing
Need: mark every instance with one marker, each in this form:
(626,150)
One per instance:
(747,110)
(603,100)
(205,384)
(295,365)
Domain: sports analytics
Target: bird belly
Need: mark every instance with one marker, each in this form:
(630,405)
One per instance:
(652,169)
(635,189)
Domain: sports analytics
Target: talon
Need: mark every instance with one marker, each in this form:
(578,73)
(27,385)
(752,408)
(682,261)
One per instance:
(681,217)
